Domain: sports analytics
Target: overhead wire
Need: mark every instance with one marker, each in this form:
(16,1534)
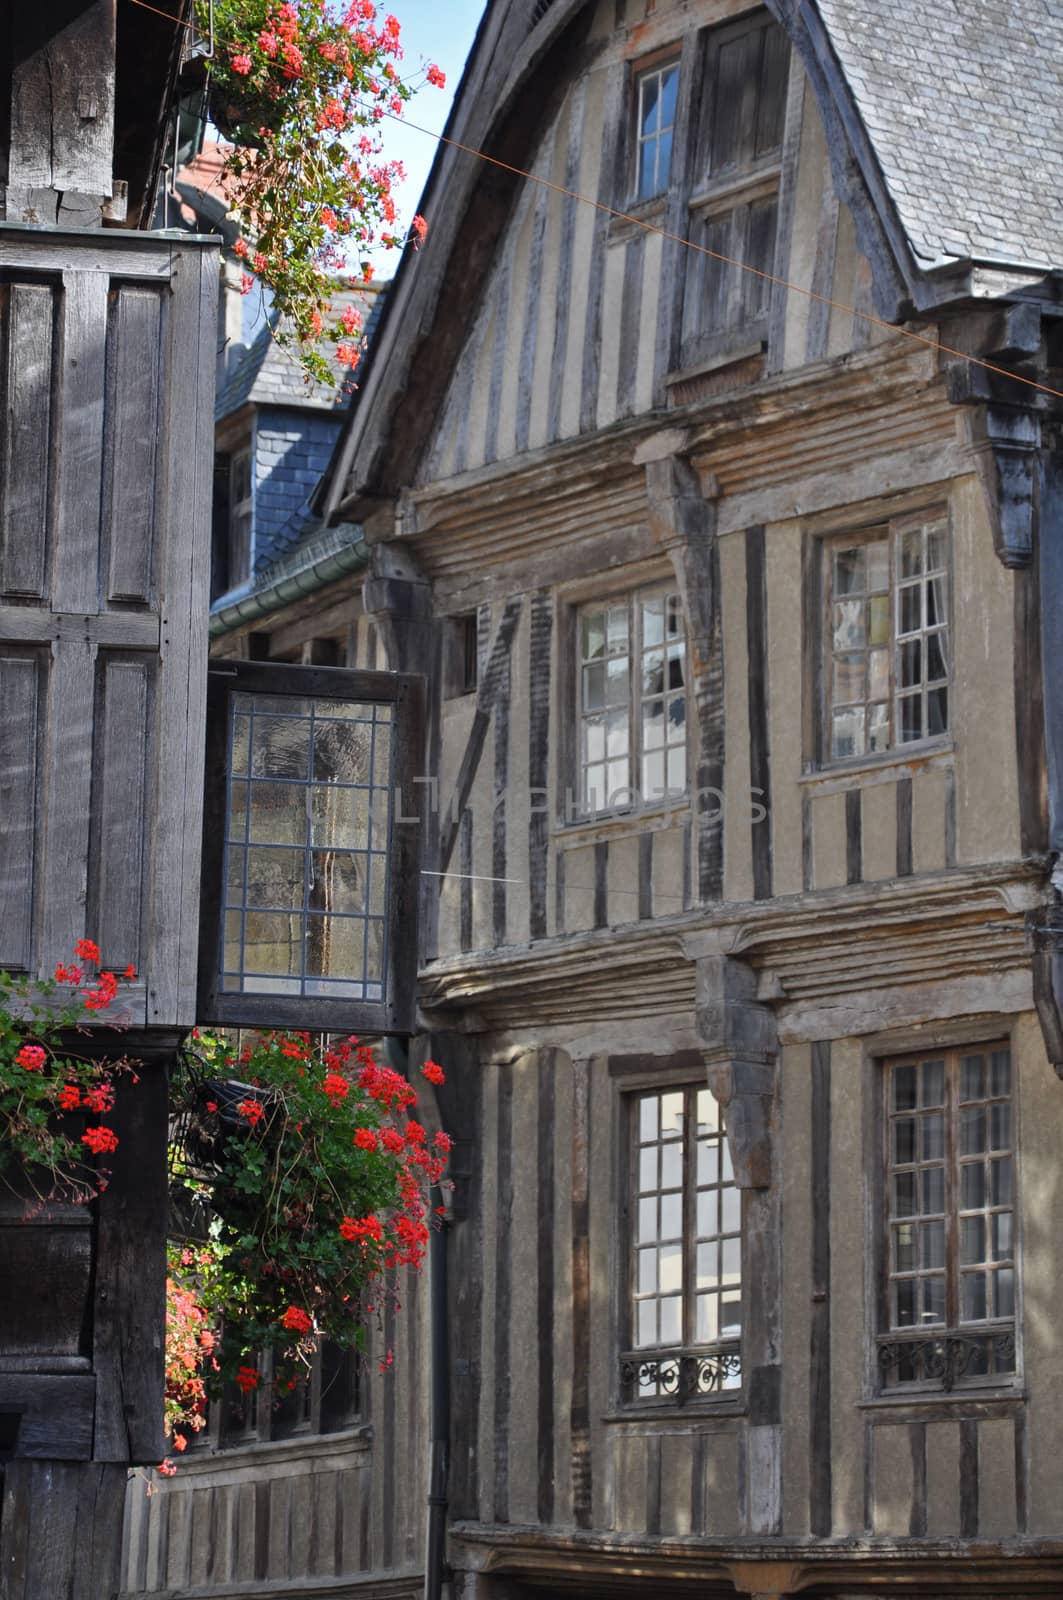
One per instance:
(676,238)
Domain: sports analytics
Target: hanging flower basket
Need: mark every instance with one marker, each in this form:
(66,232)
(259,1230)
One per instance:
(315,1176)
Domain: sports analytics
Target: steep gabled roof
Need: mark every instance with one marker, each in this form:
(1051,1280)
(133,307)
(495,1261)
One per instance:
(944,120)
(963,104)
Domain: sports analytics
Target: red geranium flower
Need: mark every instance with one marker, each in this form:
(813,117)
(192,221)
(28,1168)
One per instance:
(247,1379)
(433,1072)
(32,1057)
(297,1320)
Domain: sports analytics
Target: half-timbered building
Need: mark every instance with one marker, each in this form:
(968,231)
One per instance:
(706,464)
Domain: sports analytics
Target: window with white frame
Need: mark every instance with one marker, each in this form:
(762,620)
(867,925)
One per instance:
(684,1250)
(656,94)
(241,508)
(886,655)
(949,1268)
(632,701)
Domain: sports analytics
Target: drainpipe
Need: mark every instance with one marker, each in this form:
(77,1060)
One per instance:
(435,1570)
(439,1447)
(1048,957)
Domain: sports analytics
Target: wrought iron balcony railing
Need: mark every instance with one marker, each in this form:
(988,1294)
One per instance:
(680,1375)
(945,1359)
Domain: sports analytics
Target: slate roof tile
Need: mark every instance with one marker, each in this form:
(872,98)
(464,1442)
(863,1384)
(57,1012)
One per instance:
(963,100)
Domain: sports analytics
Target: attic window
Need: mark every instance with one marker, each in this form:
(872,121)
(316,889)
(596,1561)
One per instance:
(309,862)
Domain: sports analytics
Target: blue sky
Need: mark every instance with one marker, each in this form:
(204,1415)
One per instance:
(439,31)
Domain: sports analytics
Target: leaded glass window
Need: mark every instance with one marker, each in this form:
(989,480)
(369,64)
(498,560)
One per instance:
(310,860)
(950,1286)
(886,662)
(306,849)
(632,701)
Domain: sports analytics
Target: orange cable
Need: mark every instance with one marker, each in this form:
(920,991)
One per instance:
(690,244)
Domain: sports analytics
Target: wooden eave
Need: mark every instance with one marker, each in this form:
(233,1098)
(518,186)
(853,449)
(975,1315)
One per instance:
(827,947)
(797,428)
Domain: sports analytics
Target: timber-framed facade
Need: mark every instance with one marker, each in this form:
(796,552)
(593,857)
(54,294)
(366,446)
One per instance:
(739,611)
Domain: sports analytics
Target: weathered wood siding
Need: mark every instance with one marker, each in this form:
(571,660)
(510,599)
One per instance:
(105,489)
(568,337)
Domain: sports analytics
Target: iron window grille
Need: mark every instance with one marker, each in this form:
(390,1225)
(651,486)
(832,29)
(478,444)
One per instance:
(949,1276)
(311,849)
(684,1302)
(632,701)
(886,655)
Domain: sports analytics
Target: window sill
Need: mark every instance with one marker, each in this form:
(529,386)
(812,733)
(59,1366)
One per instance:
(957,1399)
(296,1447)
(887,766)
(596,830)
(626,227)
(648,1412)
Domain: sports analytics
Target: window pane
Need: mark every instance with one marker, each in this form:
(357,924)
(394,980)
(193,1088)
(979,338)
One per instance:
(904,1082)
(593,635)
(671,1216)
(1004,1292)
(671,1116)
(669,91)
(932,1142)
(1001,1221)
(847,734)
(904,1140)
(932,1083)
(932,1245)
(972,1297)
(972,1078)
(911,609)
(878,566)
(904,1194)
(671,1325)
(670,1268)
(972,1130)
(849,571)
(1000,1182)
(933,1296)
(649,95)
(972,1240)
(1000,1127)
(1000,1073)
(849,678)
(911,552)
(648,1117)
(849,625)
(911,711)
(972,1186)
(932,1183)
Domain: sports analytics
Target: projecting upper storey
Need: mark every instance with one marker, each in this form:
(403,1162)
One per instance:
(892,164)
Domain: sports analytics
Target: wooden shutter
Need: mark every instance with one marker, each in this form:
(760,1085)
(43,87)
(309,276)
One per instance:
(107,367)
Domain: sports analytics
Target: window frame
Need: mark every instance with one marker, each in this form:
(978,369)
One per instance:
(819,604)
(235,1420)
(685,1392)
(633,598)
(657,64)
(241,516)
(952,1333)
(728,192)
(396,1013)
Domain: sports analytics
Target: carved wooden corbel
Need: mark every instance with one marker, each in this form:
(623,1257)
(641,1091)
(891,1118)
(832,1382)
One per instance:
(740,1044)
(398,600)
(1004,442)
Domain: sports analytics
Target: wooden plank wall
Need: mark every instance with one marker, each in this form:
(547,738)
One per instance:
(104,490)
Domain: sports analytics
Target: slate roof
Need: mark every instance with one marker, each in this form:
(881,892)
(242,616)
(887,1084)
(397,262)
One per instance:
(963,102)
(270,375)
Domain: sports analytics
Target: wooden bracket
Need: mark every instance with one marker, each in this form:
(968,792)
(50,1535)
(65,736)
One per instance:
(740,1045)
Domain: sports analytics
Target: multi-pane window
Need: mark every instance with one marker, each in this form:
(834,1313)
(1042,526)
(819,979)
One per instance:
(949,1280)
(685,1248)
(886,662)
(734,201)
(656,93)
(306,849)
(632,701)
